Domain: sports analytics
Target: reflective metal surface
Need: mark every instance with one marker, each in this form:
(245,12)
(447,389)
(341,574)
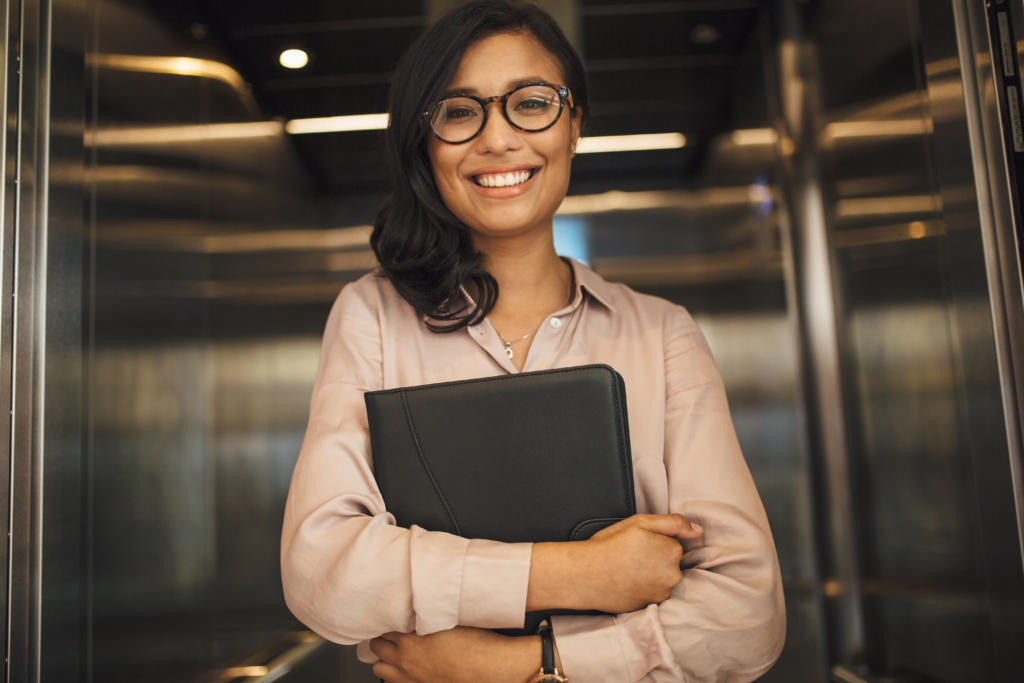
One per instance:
(197,374)
(999,193)
(928,451)
(44,604)
(815,297)
(8,190)
(839,223)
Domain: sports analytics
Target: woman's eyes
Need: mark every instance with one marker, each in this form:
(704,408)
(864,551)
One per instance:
(460,113)
(533,105)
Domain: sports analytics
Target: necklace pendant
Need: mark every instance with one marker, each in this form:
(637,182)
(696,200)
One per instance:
(508,350)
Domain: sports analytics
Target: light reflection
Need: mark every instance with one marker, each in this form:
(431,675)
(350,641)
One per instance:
(170,238)
(885,206)
(337,124)
(714,197)
(180,66)
(630,143)
(245,672)
(750,137)
(885,234)
(161,135)
(840,130)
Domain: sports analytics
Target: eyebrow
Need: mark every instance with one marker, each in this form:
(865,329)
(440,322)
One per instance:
(510,86)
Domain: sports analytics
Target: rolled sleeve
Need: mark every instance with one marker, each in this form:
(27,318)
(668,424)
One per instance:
(579,638)
(469,582)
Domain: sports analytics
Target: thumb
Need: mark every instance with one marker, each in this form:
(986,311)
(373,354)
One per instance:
(672,525)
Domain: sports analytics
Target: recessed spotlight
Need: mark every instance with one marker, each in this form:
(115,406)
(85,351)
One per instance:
(294,58)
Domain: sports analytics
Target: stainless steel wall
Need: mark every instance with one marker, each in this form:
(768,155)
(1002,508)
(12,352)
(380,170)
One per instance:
(718,246)
(41,335)
(921,549)
(163,341)
(199,349)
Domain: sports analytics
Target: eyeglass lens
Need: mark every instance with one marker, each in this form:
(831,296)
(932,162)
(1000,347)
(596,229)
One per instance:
(531,108)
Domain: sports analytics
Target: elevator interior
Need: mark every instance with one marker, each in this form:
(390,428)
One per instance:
(841,221)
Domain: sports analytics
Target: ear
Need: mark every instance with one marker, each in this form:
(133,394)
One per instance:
(574,129)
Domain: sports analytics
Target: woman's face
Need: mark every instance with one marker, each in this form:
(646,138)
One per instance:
(466,174)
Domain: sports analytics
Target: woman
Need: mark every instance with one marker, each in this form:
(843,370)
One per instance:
(486,112)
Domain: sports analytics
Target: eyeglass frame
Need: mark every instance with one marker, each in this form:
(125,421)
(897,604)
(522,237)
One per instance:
(562,91)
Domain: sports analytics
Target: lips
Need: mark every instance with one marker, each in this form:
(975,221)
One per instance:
(505,178)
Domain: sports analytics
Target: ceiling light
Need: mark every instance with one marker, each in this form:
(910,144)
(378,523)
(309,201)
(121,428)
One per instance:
(337,124)
(294,59)
(630,143)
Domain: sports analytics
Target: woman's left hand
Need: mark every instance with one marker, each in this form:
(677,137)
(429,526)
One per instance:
(461,654)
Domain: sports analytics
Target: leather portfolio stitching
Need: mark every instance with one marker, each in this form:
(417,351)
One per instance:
(426,466)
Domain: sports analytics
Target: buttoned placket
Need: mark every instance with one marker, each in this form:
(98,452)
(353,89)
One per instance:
(546,339)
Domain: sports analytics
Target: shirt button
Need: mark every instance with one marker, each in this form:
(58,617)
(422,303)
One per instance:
(555,323)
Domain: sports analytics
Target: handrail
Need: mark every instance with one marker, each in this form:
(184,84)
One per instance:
(276,665)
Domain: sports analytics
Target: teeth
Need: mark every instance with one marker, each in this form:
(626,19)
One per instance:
(503,179)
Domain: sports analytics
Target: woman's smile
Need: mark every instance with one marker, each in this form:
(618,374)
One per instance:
(503,183)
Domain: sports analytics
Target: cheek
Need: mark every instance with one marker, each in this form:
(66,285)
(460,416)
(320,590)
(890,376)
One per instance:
(445,170)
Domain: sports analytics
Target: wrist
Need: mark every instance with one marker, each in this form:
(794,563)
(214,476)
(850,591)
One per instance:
(523,656)
(557,577)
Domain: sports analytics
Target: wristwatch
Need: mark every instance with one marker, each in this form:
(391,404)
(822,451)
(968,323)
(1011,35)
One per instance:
(548,671)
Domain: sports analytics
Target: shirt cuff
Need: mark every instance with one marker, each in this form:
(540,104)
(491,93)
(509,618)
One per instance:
(495,578)
(591,649)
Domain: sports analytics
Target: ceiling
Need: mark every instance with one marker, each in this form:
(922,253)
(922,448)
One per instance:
(653,67)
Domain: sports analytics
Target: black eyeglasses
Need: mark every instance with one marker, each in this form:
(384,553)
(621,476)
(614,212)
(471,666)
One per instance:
(531,107)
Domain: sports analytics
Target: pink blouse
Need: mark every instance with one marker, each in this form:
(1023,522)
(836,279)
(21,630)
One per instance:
(351,574)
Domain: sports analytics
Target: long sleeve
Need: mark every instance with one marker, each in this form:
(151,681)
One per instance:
(726,620)
(348,572)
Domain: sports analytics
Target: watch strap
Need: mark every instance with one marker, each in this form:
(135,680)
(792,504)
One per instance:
(547,648)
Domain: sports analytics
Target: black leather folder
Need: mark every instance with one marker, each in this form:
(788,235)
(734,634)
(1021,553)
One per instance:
(537,456)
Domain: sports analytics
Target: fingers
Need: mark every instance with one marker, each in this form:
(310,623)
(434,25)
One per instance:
(670,525)
(386,649)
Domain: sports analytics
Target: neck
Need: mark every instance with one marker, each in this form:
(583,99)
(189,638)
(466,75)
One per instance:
(532,278)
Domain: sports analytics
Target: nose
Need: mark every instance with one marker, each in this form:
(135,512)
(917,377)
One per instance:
(498,135)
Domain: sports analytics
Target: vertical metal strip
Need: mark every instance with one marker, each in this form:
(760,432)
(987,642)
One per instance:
(1003,41)
(996,177)
(9,13)
(817,297)
(27,338)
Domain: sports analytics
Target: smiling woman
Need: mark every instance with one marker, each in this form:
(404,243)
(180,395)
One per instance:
(486,110)
(420,239)
(499,162)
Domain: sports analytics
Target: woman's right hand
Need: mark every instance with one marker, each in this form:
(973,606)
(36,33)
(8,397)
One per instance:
(623,567)
(635,562)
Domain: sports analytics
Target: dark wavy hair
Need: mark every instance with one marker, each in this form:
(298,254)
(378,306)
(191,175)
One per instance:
(424,250)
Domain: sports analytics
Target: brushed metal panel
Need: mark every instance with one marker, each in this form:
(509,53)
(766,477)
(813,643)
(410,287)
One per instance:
(938,553)
(8,192)
(197,371)
(45,621)
(817,297)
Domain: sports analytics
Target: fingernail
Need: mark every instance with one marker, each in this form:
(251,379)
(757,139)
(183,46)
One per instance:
(697,527)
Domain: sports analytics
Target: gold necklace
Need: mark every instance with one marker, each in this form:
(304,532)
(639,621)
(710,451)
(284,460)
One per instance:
(508,344)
